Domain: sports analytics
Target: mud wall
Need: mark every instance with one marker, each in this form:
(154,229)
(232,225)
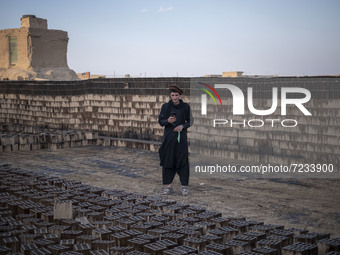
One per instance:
(129,107)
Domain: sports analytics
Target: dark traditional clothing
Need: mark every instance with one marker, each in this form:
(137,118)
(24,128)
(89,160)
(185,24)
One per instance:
(173,152)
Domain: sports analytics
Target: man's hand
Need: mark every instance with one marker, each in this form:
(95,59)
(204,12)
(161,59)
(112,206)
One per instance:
(178,128)
(171,119)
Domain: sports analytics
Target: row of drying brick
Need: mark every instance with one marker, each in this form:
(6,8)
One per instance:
(118,222)
(45,139)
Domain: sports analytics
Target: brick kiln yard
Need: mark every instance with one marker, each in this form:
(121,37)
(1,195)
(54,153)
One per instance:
(304,204)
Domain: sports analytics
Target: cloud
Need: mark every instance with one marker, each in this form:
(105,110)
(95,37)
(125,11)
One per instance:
(144,10)
(161,9)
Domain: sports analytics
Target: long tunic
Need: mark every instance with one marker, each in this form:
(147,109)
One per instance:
(174,154)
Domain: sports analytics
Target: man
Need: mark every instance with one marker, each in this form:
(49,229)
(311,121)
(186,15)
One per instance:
(176,118)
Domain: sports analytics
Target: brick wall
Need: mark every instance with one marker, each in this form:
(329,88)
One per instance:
(129,107)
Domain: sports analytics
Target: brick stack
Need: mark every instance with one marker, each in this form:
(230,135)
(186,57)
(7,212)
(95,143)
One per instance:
(21,138)
(119,222)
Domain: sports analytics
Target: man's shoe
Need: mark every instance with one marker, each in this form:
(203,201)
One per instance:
(167,190)
(185,191)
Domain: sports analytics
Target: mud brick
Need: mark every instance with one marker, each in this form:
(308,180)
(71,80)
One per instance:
(36,212)
(170,228)
(132,211)
(53,237)
(57,229)
(97,208)
(195,228)
(333,253)
(189,233)
(171,216)
(144,228)
(142,208)
(154,248)
(220,248)
(102,245)
(300,248)
(190,220)
(43,243)
(47,216)
(120,238)
(19,232)
(227,233)
(5,235)
(86,239)
(241,226)
(82,248)
(154,224)
(270,243)
(238,246)
(247,238)
(254,223)
(220,221)
(103,234)
(99,252)
(70,234)
(123,206)
(177,223)
(68,242)
(175,208)
(175,237)
(206,226)
(149,237)
(73,224)
(206,216)
(58,248)
(265,229)
(102,224)
(95,216)
(85,205)
(5,250)
(137,253)
(133,233)
(167,243)
(327,245)
(158,205)
(6,213)
(40,231)
(111,211)
(117,229)
(186,249)
(284,240)
(298,231)
(259,236)
(117,250)
(195,242)
(86,228)
(161,219)
(146,215)
(26,248)
(16,224)
(284,233)
(266,251)
(127,223)
(137,219)
(197,209)
(212,238)
(321,235)
(138,243)
(158,232)
(21,217)
(28,238)
(249,253)
(210,253)
(40,251)
(306,238)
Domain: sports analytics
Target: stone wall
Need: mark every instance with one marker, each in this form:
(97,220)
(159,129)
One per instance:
(129,107)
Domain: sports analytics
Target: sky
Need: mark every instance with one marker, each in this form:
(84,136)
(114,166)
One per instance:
(186,38)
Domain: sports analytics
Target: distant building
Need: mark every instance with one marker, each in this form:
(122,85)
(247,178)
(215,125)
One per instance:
(232,74)
(88,75)
(34,52)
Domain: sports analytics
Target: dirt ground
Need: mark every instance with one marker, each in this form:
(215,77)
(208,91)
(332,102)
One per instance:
(312,204)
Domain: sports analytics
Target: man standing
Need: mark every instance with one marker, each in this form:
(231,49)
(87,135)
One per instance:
(176,118)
